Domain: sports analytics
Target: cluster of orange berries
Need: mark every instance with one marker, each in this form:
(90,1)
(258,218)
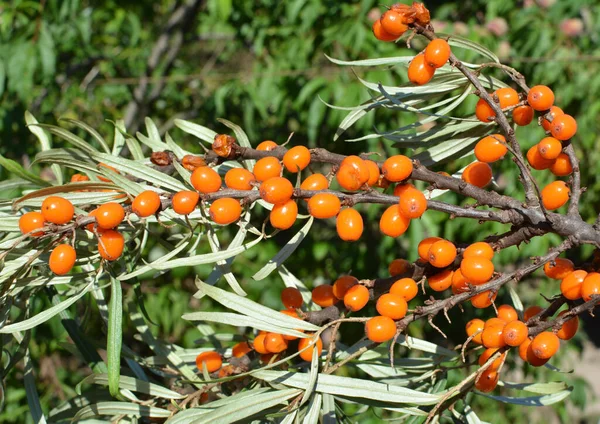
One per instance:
(574,284)
(395,21)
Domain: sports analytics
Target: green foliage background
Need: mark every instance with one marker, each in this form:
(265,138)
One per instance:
(262,64)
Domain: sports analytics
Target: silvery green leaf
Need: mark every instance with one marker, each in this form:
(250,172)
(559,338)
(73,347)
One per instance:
(222,267)
(14,168)
(15,184)
(373,62)
(68,157)
(543,400)
(425,346)
(516,300)
(313,409)
(470,415)
(133,384)
(328,409)
(95,134)
(461,42)
(174,147)
(44,142)
(540,388)
(33,399)
(68,136)
(312,379)
(196,130)
(290,418)
(120,408)
(114,336)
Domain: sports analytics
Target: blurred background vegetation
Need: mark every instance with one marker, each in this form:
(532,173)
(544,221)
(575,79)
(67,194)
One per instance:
(262,65)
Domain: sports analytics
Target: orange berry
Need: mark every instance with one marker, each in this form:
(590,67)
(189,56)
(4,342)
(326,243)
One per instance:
(239,179)
(392,306)
(266,168)
(109,215)
(563,127)
(540,97)
(348,178)
(211,359)
(561,268)
(291,298)
(507,313)
(533,360)
(259,344)
(484,112)
(419,71)
(31,221)
(398,266)
(523,348)
(57,210)
(323,296)
(536,161)
(356,298)
(425,245)
(343,284)
(479,249)
(494,321)
(553,113)
(491,148)
(360,165)
(549,148)
(393,223)
(569,328)
(296,159)
(459,282)
(324,205)
(90,227)
(437,53)
(484,299)
(545,345)
(440,281)
(222,145)
(402,188)
(145,204)
(561,166)
(475,326)
(478,173)
(309,344)
(62,259)
(110,244)
(380,329)
(391,22)
(477,270)
(267,145)
(206,180)
(380,33)
(412,203)
(225,211)
(185,202)
(531,312)
(522,115)
(397,168)
(515,333)
(315,182)
(405,287)
(487,354)
(555,195)
(284,215)
(275,343)
(442,253)
(349,224)
(77,178)
(240,349)
(492,336)
(487,381)
(507,97)
(373,172)
(191,162)
(276,190)
(590,286)
(570,286)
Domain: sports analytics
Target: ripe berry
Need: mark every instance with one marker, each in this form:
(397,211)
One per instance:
(343,284)
(323,296)
(267,358)
(515,333)
(442,253)
(531,312)
(391,22)
(353,173)
(412,203)
(62,259)
(569,328)
(437,53)
(406,288)
(240,349)
(459,282)
(185,202)
(392,222)
(239,179)
(291,298)
(267,145)
(492,336)
(380,329)
(296,159)
(211,359)
(78,178)
(398,266)
(494,321)
(324,205)
(380,33)
(536,161)
(555,195)
(478,173)
(309,344)
(392,306)
(259,344)
(560,269)
(275,343)
(523,348)
(356,298)
(222,145)
(475,326)
(440,281)
(225,211)
(266,168)
(561,166)
(146,203)
(109,215)
(554,112)
(57,210)
(373,172)
(110,244)
(484,112)
(522,115)
(545,345)
(397,168)
(487,381)
(507,313)
(419,71)
(349,224)
(31,221)
(315,182)
(191,162)
(206,180)
(563,127)
(284,215)
(549,148)
(570,286)
(484,299)
(491,148)
(479,249)
(487,354)
(507,97)
(540,97)
(276,190)
(590,286)
(425,245)
(477,270)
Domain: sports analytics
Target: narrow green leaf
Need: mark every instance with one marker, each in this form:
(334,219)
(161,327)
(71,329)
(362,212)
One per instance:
(543,400)
(373,62)
(314,409)
(68,136)
(196,130)
(134,384)
(14,168)
(539,388)
(95,134)
(127,409)
(44,142)
(114,336)
(458,41)
(33,399)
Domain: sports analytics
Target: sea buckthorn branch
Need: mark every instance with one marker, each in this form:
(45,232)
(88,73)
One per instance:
(537,324)
(576,189)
